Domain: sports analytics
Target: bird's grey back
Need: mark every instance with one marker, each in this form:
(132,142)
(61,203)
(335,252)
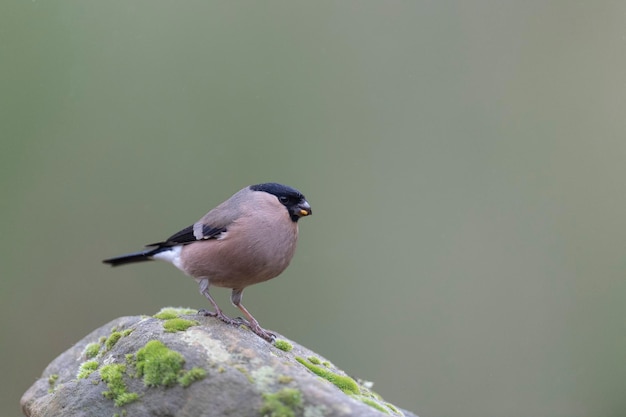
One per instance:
(227,212)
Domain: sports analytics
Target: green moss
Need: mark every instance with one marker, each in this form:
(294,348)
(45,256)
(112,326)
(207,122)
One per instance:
(102,339)
(393,408)
(157,364)
(52,380)
(161,366)
(284,379)
(373,399)
(113,376)
(284,403)
(245,372)
(283,345)
(314,360)
(86,368)
(344,383)
(91,350)
(326,364)
(167,313)
(178,325)
(191,376)
(114,337)
(372,403)
(112,340)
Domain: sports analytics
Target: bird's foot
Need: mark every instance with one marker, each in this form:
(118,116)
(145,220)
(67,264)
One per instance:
(262,333)
(218,314)
(243,321)
(256,329)
(223,317)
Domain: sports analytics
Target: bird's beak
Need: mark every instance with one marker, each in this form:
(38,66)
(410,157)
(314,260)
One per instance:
(304,209)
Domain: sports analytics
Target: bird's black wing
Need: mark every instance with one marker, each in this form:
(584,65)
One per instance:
(187,236)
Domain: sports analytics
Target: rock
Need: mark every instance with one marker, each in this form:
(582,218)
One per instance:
(177,363)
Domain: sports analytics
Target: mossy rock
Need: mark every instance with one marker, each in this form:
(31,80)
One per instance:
(137,367)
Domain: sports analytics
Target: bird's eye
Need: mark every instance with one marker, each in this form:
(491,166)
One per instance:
(283,199)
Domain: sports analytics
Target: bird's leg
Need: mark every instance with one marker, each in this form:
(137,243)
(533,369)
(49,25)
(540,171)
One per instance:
(204,290)
(235,298)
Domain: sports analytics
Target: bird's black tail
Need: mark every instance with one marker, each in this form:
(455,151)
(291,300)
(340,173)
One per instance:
(130,258)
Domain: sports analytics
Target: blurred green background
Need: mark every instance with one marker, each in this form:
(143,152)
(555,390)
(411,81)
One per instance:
(465,162)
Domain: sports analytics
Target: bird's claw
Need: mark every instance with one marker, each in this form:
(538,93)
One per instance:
(256,329)
(263,334)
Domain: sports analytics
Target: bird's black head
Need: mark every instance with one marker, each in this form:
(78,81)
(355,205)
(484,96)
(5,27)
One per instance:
(292,199)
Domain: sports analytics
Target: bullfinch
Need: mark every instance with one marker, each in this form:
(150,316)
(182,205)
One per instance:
(249,238)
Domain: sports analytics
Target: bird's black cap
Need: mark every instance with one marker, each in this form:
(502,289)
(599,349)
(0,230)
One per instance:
(277,189)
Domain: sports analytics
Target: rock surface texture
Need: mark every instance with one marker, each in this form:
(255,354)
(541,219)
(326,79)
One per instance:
(177,364)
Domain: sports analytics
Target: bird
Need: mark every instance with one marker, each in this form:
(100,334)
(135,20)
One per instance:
(249,238)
